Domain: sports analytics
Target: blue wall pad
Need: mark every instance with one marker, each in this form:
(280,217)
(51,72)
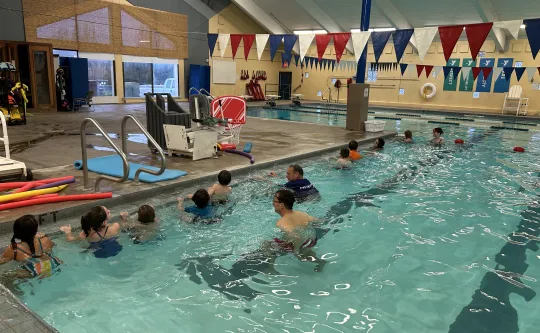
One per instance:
(112,166)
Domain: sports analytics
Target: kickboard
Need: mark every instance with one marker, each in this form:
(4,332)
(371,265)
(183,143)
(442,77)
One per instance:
(112,166)
(247,147)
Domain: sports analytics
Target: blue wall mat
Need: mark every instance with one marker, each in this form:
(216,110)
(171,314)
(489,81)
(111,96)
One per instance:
(199,77)
(112,166)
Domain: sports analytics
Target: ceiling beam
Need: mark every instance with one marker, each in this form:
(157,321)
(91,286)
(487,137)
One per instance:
(202,8)
(395,18)
(320,16)
(260,16)
(488,14)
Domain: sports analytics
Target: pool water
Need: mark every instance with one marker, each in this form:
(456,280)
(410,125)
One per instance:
(409,236)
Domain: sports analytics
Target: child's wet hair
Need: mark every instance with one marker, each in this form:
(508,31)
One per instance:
(344,152)
(146,214)
(353,145)
(201,198)
(380,142)
(224,177)
(438,130)
(408,134)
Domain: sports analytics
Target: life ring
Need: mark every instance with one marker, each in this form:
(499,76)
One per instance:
(425,89)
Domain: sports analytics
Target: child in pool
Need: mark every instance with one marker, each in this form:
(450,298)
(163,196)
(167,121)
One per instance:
(221,190)
(408,137)
(202,210)
(353,151)
(437,139)
(344,162)
(378,145)
(145,226)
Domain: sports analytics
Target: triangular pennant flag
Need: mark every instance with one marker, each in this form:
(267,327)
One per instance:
(317,62)
(379,40)
(437,70)
(419,69)
(403,68)
(311,61)
(235,43)
(348,65)
(424,38)
(449,37)
(341,65)
(486,71)
(261,39)
(508,72)
(359,41)
(497,72)
(323,63)
(465,71)
(401,40)
(288,42)
(296,47)
(512,26)
(449,69)
(296,59)
(428,70)
(322,41)
(305,42)
(212,39)
(532,28)
(530,73)
(333,65)
(476,35)
(340,41)
(476,71)
(248,43)
(223,41)
(519,72)
(275,41)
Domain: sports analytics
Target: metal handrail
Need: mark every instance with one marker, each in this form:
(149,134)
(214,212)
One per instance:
(206,92)
(150,138)
(85,155)
(196,90)
(324,92)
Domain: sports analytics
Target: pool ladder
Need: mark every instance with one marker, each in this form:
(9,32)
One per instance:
(121,152)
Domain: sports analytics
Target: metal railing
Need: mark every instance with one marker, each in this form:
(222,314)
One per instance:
(85,155)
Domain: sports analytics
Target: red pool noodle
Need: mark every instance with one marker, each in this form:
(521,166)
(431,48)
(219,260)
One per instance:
(63,198)
(12,185)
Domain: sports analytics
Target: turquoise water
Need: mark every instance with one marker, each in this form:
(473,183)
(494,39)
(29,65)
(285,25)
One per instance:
(405,253)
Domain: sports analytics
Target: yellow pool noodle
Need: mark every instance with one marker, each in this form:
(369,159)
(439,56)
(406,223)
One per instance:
(22,195)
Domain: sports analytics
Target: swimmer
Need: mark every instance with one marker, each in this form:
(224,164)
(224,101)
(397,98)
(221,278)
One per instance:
(344,162)
(220,191)
(202,210)
(302,188)
(437,139)
(408,137)
(299,236)
(353,151)
(377,146)
(145,226)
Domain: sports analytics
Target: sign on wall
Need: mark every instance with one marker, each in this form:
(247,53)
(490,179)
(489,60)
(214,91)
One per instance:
(467,83)
(450,83)
(484,84)
(501,85)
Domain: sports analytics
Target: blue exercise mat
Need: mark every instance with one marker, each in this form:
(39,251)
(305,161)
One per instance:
(112,166)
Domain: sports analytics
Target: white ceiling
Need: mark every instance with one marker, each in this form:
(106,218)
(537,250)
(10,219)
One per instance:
(346,13)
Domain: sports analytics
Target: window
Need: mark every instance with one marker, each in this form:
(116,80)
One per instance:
(143,75)
(100,73)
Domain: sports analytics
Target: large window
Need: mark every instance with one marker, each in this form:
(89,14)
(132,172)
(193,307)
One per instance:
(142,75)
(100,73)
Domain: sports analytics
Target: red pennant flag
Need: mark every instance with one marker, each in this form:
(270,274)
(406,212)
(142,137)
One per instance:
(248,42)
(419,69)
(477,34)
(235,43)
(476,71)
(322,41)
(340,41)
(428,70)
(449,37)
(486,71)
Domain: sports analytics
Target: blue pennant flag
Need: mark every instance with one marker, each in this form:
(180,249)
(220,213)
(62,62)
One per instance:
(316,62)
(519,72)
(212,39)
(311,61)
(379,40)
(401,39)
(532,28)
(324,62)
(404,68)
(275,41)
(508,72)
(296,59)
(447,69)
(333,65)
(289,41)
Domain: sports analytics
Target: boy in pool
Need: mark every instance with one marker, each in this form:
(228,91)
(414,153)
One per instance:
(344,162)
(378,145)
(221,190)
(145,226)
(353,151)
(202,210)
(408,137)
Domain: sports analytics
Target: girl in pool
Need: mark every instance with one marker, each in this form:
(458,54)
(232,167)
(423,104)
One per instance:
(97,231)
(408,137)
(437,139)
(33,251)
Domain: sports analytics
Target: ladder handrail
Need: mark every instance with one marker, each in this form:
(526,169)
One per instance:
(152,141)
(5,137)
(324,92)
(196,90)
(85,155)
(206,92)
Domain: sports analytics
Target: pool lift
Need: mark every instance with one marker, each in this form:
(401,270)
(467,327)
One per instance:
(9,168)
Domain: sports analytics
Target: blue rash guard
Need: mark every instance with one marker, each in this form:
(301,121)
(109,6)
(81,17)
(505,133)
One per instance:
(303,189)
(204,213)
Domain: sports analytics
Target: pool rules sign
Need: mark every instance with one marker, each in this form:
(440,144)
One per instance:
(450,83)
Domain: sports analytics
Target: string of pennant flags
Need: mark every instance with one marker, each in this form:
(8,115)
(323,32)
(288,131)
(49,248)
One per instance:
(449,35)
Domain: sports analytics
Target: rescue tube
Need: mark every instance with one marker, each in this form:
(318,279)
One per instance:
(459,141)
(424,90)
(519,149)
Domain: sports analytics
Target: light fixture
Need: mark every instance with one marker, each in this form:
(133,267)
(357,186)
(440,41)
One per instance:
(375,30)
(305,32)
(144,41)
(522,26)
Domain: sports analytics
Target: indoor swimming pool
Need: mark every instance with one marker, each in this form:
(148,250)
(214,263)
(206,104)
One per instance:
(417,239)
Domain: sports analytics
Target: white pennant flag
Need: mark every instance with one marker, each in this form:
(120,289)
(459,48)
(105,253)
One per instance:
(341,65)
(349,65)
(261,40)
(424,38)
(223,41)
(359,40)
(296,48)
(497,72)
(304,42)
(465,72)
(436,71)
(530,72)
(512,26)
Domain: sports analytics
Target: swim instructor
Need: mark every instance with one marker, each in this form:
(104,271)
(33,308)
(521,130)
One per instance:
(302,188)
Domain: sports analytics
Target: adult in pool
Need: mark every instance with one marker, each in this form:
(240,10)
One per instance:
(33,251)
(437,138)
(96,230)
(302,188)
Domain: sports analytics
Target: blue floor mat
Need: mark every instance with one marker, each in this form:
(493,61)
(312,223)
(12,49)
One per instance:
(112,166)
